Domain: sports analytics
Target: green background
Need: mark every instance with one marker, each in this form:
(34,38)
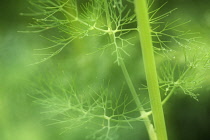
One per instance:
(21,118)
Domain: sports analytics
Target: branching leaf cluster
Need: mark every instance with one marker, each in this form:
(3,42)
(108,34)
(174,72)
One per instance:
(72,19)
(102,110)
(183,60)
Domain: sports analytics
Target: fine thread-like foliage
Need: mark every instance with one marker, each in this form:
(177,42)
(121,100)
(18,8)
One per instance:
(104,109)
(75,20)
(181,67)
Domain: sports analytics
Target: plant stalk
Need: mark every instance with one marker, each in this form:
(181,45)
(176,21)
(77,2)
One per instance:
(147,122)
(144,29)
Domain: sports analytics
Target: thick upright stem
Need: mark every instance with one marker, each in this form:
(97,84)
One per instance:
(150,68)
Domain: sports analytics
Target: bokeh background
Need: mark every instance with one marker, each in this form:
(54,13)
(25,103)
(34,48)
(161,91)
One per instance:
(22,119)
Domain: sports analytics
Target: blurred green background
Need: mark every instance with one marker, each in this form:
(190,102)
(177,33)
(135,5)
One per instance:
(21,118)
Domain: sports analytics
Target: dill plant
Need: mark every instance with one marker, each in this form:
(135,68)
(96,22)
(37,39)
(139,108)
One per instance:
(181,67)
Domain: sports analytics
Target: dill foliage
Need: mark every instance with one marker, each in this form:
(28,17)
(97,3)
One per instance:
(182,61)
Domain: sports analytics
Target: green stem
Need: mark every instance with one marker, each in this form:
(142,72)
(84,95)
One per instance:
(150,68)
(147,122)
